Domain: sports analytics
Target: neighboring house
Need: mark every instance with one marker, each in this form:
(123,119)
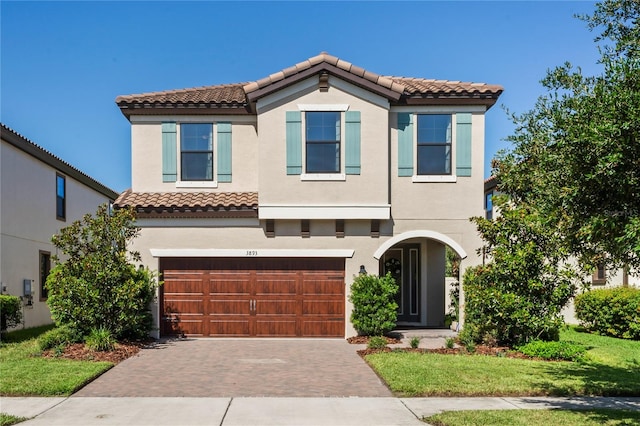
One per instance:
(259,202)
(600,277)
(40,194)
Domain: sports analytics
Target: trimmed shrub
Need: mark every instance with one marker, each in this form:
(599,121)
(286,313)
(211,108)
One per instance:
(10,312)
(414,342)
(58,337)
(374,306)
(377,342)
(560,351)
(100,339)
(611,312)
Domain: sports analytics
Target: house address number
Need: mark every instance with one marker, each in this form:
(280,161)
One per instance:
(251,253)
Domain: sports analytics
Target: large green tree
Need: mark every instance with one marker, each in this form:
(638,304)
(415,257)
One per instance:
(96,285)
(575,156)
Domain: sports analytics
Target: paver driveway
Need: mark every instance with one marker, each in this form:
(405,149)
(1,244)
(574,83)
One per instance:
(241,367)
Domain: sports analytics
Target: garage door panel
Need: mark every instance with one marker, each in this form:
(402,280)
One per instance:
(274,286)
(229,328)
(184,306)
(323,328)
(188,326)
(229,307)
(277,307)
(282,328)
(229,286)
(322,288)
(323,307)
(183,286)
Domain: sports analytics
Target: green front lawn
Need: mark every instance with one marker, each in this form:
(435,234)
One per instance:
(8,420)
(536,417)
(25,372)
(613,369)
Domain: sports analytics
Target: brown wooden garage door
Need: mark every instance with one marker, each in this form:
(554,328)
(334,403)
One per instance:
(244,297)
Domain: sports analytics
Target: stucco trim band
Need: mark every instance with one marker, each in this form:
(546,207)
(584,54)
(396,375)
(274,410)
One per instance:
(432,235)
(249,252)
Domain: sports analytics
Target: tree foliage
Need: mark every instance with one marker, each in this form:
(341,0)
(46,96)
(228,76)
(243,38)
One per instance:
(517,296)
(576,154)
(375,310)
(97,286)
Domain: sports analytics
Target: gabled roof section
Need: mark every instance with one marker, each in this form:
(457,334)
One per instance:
(240,98)
(22,143)
(332,65)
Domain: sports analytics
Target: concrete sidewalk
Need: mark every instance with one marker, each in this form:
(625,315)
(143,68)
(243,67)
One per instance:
(273,411)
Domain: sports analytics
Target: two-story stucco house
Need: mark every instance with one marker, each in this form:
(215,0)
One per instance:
(259,202)
(41,194)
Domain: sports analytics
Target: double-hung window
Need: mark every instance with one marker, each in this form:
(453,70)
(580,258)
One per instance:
(61,197)
(196,152)
(322,142)
(434,144)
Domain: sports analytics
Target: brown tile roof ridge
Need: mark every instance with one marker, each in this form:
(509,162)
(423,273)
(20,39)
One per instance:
(331,60)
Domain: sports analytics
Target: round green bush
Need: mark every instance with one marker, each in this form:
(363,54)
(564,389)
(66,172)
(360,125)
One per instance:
(611,312)
(375,310)
(10,311)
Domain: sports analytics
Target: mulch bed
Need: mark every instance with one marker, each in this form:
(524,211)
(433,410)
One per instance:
(363,340)
(479,350)
(78,351)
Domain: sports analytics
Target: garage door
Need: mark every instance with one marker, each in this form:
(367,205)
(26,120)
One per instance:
(264,297)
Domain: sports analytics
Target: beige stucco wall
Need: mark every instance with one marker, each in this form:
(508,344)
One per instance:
(368,188)
(146,154)
(28,221)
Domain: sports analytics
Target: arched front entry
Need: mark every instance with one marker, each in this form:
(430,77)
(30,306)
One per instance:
(417,260)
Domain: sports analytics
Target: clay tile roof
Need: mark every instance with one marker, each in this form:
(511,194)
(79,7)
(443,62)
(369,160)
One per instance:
(222,94)
(418,86)
(237,96)
(162,202)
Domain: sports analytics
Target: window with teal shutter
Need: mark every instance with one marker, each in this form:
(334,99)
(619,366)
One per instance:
(224,152)
(169,152)
(352,142)
(463,143)
(405,144)
(294,142)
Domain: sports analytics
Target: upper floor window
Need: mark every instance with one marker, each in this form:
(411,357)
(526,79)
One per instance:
(196,152)
(322,142)
(61,197)
(434,144)
(488,205)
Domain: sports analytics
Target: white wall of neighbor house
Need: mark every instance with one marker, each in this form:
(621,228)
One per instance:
(28,221)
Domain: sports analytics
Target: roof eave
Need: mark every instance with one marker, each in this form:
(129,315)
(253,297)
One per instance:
(155,108)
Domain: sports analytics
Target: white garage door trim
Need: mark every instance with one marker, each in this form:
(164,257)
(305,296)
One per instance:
(249,253)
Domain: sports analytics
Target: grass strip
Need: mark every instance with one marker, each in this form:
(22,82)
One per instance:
(8,419)
(596,417)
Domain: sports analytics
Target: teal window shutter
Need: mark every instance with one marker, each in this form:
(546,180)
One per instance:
(294,142)
(352,142)
(463,142)
(169,152)
(405,144)
(224,152)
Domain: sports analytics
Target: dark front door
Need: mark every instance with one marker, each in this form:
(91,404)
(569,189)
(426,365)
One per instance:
(403,262)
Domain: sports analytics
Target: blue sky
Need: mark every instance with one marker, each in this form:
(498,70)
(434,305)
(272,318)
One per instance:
(63,63)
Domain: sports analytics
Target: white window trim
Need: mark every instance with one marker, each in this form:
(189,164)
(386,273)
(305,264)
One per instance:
(323,177)
(451,178)
(204,184)
(434,178)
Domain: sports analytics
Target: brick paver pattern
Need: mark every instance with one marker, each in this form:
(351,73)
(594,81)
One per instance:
(241,367)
